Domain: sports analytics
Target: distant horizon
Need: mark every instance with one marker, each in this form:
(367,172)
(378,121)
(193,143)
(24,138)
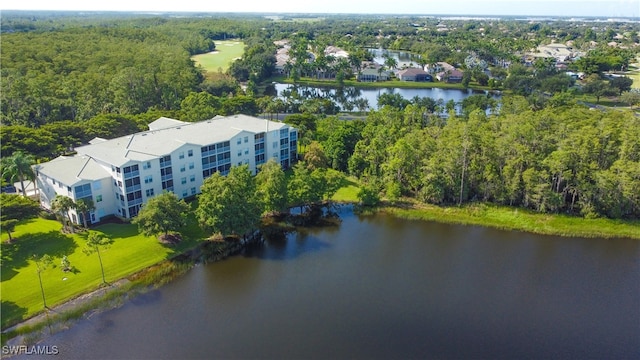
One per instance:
(461,8)
(285,13)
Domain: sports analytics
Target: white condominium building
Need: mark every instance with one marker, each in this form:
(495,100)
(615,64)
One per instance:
(121,174)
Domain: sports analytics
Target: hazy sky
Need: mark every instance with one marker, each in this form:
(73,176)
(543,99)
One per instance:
(577,8)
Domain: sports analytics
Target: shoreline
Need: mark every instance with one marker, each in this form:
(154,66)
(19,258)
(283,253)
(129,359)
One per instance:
(62,316)
(382,84)
(516,219)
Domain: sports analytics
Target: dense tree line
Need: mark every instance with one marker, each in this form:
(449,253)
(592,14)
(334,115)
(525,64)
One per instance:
(558,159)
(67,66)
(101,65)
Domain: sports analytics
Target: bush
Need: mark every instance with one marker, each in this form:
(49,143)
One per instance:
(368,196)
(47,215)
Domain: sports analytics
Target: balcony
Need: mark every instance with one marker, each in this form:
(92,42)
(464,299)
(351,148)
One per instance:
(129,175)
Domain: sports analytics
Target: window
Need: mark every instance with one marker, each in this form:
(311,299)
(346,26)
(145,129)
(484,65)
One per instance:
(184,193)
(183,168)
(146,165)
(119,183)
(165,161)
(246,139)
(54,182)
(181,155)
(132,184)
(246,151)
(117,196)
(239,141)
(275,144)
(193,191)
(97,185)
(183,180)
(239,153)
(192,178)
(83,191)
(149,192)
(134,195)
(167,185)
(148,179)
(130,171)
(98,198)
(190,153)
(191,166)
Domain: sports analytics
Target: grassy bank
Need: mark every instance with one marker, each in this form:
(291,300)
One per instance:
(509,218)
(130,253)
(106,298)
(501,217)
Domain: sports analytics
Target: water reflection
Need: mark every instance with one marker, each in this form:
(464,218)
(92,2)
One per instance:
(352,98)
(287,248)
(377,287)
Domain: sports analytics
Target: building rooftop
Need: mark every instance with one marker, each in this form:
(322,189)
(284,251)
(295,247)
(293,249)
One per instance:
(71,170)
(166,135)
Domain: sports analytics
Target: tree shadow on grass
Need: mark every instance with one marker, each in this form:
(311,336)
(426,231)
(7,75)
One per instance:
(17,254)
(11,313)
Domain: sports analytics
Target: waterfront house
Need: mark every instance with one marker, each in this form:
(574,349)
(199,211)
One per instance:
(373,75)
(414,74)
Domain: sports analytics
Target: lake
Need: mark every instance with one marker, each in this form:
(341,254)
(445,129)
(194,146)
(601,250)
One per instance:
(350,93)
(378,287)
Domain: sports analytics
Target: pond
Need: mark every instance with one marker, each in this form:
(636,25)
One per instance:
(378,287)
(349,94)
(403,58)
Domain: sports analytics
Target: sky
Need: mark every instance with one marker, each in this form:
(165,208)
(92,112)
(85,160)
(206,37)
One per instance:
(571,8)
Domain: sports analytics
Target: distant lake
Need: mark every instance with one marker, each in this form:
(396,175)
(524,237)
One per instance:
(351,93)
(402,57)
(378,287)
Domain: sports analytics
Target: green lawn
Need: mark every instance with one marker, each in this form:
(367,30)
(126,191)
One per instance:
(130,252)
(222,57)
(348,192)
(634,74)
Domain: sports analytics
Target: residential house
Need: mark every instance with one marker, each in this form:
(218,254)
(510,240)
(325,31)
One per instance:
(373,75)
(450,76)
(438,67)
(122,174)
(414,74)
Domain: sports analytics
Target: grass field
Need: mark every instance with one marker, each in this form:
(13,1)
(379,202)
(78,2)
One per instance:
(222,57)
(348,192)
(634,73)
(129,253)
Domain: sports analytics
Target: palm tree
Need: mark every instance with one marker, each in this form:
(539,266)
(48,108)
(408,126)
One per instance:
(84,206)
(18,166)
(390,62)
(95,241)
(61,206)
